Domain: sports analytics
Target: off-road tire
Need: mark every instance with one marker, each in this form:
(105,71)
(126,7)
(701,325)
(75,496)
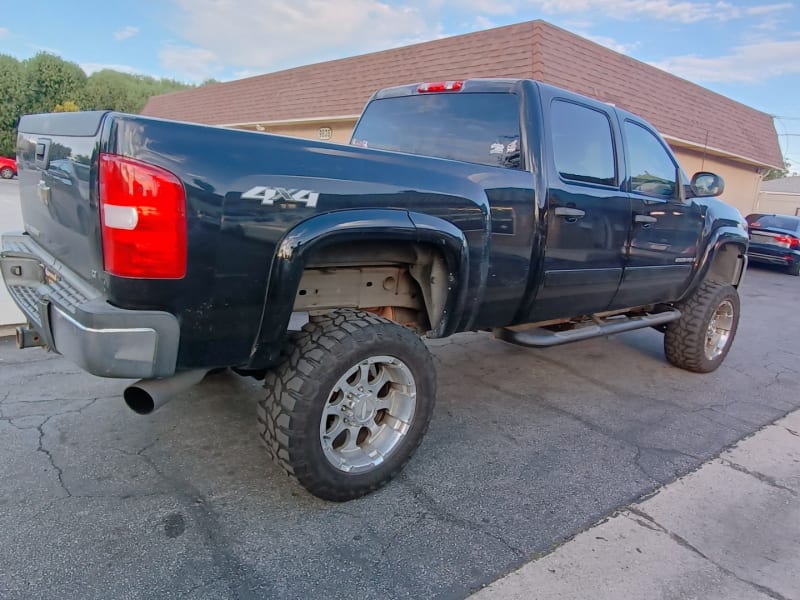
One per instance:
(685,339)
(794,269)
(6,173)
(298,390)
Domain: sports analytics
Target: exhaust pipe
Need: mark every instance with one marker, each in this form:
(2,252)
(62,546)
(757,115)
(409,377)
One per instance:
(27,337)
(146,395)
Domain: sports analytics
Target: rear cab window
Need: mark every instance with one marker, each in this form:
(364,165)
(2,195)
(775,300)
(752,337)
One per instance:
(474,127)
(583,145)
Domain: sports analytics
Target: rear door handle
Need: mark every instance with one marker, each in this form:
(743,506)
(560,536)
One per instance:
(644,219)
(575,213)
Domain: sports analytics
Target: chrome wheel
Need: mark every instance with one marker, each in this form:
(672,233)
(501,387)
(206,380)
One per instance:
(719,330)
(368,413)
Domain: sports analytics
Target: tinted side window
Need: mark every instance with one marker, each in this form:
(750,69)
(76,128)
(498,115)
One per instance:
(651,167)
(479,128)
(583,148)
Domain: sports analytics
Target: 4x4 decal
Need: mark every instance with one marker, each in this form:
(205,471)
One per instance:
(270,196)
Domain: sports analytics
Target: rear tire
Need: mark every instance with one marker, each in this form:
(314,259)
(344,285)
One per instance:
(347,409)
(6,173)
(794,269)
(700,340)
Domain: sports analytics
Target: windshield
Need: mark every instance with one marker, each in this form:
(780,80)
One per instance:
(479,128)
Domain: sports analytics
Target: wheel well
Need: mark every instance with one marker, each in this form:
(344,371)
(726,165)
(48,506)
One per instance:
(727,265)
(403,281)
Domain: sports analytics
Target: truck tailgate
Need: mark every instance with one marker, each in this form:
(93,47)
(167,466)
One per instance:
(57,163)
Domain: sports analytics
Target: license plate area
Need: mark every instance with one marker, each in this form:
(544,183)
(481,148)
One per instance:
(768,240)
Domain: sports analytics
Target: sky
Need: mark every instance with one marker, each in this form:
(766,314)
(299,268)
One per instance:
(748,51)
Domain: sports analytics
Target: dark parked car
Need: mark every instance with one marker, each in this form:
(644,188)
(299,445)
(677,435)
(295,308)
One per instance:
(775,239)
(8,167)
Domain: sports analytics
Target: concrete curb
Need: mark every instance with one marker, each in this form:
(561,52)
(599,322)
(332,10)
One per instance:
(730,529)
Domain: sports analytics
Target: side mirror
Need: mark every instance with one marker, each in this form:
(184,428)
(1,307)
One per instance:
(707,184)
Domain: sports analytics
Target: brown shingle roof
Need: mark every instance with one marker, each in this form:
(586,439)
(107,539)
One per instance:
(535,49)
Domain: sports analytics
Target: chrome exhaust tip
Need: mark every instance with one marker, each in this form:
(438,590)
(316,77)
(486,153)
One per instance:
(148,395)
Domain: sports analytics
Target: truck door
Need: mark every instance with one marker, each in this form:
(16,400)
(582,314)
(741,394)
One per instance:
(665,231)
(587,216)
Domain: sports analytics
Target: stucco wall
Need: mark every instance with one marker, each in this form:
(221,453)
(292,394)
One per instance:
(340,130)
(741,180)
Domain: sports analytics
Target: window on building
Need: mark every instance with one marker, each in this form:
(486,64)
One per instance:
(652,170)
(479,128)
(583,146)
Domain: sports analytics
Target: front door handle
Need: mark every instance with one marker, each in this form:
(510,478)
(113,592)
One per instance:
(644,219)
(575,213)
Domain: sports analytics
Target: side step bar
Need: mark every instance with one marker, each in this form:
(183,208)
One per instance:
(540,337)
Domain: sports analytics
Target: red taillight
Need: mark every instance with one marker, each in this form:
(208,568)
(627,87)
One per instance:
(787,239)
(143,219)
(440,86)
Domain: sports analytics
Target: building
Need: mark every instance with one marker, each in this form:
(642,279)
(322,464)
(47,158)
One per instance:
(707,131)
(780,196)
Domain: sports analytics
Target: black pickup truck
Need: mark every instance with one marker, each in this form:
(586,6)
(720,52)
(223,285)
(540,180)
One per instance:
(161,250)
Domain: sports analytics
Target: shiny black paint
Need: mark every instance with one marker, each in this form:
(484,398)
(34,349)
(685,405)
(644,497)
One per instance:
(238,282)
(510,258)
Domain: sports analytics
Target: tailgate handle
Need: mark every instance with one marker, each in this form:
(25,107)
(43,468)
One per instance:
(42,154)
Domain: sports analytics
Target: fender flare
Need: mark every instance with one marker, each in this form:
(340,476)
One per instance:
(719,238)
(292,252)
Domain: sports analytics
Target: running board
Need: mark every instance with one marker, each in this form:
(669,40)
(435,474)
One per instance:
(540,337)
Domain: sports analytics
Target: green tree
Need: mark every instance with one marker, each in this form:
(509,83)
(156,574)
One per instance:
(778,173)
(51,80)
(112,90)
(47,83)
(12,94)
(66,106)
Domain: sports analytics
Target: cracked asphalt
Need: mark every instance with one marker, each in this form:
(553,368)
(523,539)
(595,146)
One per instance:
(526,449)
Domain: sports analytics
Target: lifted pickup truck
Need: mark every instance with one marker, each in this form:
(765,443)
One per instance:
(160,250)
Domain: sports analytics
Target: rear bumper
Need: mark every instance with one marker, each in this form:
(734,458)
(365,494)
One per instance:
(74,319)
(771,255)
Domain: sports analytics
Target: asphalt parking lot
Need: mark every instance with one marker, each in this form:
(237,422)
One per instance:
(527,448)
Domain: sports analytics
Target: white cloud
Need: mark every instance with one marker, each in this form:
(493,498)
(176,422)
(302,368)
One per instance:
(90,68)
(3,33)
(767,9)
(190,63)
(265,35)
(488,7)
(681,11)
(750,63)
(482,22)
(124,34)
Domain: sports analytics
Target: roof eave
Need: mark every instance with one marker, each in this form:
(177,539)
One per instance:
(719,152)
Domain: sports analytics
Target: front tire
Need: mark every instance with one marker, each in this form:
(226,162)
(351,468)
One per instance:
(347,409)
(6,173)
(700,340)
